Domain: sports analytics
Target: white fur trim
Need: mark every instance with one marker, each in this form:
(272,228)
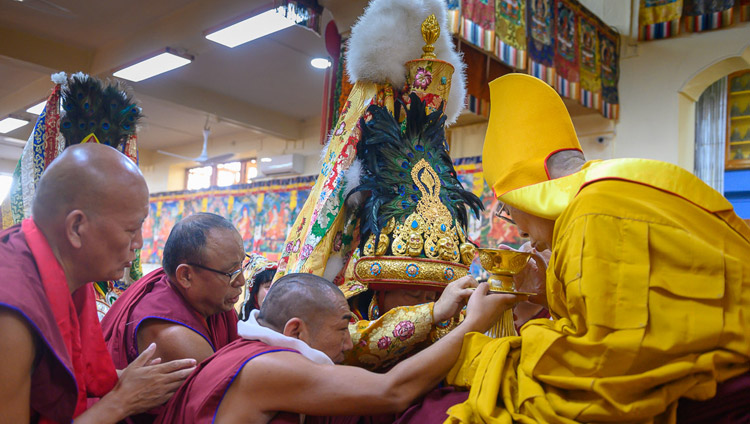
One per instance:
(334,265)
(59,78)
(352,177)
(389,34)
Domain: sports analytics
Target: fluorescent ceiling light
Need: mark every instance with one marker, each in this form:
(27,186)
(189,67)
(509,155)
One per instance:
(265,159)
(9,124)
(253,28)
(153,66)
(320,63)
(37,108)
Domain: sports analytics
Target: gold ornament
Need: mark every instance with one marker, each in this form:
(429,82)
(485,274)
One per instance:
(430,34)
(502,266)
(420,272)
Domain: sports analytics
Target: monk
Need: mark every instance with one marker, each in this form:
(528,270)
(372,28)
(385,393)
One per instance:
(648,283)
(88,210)
(284,363)
(187,306)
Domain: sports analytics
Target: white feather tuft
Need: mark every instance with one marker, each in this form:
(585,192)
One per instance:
(334,265)
(352,177)
(59,78)
(389,34)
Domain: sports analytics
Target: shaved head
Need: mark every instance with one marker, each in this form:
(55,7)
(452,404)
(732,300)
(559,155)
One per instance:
(304,296)
(90,204)
(87,177)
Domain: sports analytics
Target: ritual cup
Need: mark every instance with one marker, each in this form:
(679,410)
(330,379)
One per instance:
(502,266)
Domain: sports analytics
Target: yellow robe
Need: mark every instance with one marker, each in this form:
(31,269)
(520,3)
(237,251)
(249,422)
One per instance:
(649,289)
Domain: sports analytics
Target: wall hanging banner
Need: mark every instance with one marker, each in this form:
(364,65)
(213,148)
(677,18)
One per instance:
(306,13)
(659,19)
(540,24)
(262,212)
(477,89)
(454,16)
(744,6)
(609,45)
(589,59)
(704,15)
(510,32)
(478,23)
(566,48)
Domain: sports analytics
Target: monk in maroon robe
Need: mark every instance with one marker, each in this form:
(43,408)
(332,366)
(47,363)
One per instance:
(283,365)
(87,215)
(186,307)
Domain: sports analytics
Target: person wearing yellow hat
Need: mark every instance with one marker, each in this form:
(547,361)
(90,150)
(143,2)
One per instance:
(648,284)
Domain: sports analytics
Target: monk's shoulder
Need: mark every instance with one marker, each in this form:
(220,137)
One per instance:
(173,340)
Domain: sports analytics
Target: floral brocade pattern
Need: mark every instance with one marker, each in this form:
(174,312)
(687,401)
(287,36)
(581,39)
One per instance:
(380,343)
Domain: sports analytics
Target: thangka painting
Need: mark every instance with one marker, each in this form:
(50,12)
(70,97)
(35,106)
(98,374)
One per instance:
(262,212)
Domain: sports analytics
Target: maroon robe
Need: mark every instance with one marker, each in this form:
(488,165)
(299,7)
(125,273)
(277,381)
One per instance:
(154,297)
(197,400)
(54,388)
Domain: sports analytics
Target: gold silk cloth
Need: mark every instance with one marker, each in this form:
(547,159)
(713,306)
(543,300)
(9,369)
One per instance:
(649,290)
(381,342)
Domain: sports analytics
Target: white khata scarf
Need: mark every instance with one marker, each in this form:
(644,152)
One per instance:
(251,330)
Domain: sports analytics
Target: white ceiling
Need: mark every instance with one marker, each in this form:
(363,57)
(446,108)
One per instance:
(265,86)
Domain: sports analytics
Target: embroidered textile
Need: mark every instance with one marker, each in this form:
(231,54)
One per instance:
(510,32)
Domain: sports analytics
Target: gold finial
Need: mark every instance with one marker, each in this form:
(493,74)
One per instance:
(430,34)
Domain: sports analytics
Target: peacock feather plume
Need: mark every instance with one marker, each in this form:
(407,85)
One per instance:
(389,151)
(105,110)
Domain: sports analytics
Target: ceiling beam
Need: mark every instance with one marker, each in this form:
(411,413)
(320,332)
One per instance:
(224,107)
(42,52)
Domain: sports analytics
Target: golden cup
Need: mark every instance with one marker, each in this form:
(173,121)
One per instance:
(502,266)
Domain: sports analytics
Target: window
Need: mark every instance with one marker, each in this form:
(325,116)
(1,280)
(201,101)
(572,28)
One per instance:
(228,173)
(5,181)
(251,170)
(198,178)
(221,175)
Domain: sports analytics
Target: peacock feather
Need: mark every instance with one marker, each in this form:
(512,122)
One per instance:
(90,106)
(389,151)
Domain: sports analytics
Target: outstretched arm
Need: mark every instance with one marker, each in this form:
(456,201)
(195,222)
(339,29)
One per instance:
(292,383)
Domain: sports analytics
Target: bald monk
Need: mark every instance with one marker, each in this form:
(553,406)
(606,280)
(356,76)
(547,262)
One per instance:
(87,215)
(283,365)
(648,283)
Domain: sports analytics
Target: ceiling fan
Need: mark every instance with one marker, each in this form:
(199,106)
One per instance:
(203,158)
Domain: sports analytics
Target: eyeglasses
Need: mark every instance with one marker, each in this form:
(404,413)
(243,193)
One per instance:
(505,217)
(232,275)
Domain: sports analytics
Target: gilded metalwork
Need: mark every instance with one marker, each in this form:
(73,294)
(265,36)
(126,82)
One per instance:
(502,266)
(404,270)
(430,34)
(430,230)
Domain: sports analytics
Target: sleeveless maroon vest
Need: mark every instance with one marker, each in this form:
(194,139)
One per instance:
(198,399)
(154,297)
(53,385)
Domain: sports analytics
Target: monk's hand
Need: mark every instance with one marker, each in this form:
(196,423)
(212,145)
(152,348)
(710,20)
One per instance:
(147,383)
(533,278)
(453,299)
(485,308)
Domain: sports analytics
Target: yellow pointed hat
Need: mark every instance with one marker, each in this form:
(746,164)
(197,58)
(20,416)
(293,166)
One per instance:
(528,123)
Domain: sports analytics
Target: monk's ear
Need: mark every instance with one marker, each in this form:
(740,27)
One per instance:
(76,225)
(296,329)
(184,276)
